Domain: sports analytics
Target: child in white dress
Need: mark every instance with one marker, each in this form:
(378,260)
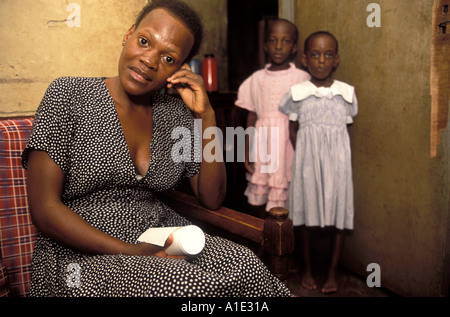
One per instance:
(269,175)
(322,187)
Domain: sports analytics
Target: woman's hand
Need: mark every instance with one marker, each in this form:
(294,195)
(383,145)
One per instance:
(191,89)
(148,249)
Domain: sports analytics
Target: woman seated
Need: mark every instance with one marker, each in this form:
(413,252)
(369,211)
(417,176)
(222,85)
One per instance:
(100,153)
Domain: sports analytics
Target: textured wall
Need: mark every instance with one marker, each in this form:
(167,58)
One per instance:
(215,19)
(35,50)
(401,194)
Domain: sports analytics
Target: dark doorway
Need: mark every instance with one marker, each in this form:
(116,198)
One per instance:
(244,19)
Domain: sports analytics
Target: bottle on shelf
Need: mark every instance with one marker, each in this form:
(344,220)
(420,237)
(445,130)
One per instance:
(209,73)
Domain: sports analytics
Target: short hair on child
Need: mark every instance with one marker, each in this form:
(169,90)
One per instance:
(270,23)
(306,47)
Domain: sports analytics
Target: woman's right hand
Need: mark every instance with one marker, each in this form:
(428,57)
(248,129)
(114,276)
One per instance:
(148,249)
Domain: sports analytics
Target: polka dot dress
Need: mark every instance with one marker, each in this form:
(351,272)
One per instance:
(78,126)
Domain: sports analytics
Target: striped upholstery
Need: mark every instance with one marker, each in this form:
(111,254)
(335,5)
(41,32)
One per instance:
(17,234)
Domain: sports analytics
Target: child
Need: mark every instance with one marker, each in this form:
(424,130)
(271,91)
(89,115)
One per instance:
(322,187)
(260,94)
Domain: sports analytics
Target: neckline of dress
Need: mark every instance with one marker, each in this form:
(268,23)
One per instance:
(137,175)
(279,72)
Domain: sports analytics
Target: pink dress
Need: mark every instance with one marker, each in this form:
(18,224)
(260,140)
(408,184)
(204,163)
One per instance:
(271,149)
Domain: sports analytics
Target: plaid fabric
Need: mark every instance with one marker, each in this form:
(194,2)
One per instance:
(17,234)
(4,286)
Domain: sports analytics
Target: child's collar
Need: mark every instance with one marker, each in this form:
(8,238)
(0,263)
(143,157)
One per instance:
(305,89)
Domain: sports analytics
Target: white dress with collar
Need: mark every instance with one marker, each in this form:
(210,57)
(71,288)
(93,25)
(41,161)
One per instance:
(322,186)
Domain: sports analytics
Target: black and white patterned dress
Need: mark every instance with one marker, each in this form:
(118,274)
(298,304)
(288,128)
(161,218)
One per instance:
(78,126)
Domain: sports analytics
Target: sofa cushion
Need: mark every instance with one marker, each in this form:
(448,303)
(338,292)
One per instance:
(17,234)
(4,286)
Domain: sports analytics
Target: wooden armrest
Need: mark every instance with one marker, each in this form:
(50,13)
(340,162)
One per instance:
(275,234)
(230,220)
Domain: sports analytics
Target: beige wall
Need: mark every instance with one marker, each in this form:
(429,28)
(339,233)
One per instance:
(401,194)
(35,51)
(215,19)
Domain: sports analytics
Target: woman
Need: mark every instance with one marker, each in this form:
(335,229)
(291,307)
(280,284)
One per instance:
(93,179)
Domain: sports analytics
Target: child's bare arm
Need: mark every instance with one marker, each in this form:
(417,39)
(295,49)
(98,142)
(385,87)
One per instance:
(251,121)
(293,127)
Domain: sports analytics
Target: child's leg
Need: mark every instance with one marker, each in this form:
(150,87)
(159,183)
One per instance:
(331,284)
(307,280)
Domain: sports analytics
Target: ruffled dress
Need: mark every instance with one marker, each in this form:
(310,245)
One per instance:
(270,147)
(322,187)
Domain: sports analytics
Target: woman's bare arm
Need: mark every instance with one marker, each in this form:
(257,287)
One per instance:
(45,182)
(210,184)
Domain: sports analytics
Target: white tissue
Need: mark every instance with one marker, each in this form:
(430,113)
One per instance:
(188,240)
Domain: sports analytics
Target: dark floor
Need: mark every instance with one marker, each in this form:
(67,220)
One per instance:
(350,284)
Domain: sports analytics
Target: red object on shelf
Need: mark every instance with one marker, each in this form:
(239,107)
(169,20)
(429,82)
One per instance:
(209,72)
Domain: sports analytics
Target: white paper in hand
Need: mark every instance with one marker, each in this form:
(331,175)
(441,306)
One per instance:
(188,240)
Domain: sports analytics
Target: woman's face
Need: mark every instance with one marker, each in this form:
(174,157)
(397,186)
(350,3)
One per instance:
(152,52)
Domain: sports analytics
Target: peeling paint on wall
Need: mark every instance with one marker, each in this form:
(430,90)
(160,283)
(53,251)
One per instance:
(37,49)
(54,38)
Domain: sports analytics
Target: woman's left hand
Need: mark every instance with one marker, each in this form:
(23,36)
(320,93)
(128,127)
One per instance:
(191,88)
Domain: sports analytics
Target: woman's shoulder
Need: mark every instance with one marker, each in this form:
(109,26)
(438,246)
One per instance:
(76,81)
(68,85)
(70,95)
(169,101)
(171,107)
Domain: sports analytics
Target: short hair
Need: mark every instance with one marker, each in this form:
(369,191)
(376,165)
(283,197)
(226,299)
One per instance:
(180,10)
(272,22)
(319,33)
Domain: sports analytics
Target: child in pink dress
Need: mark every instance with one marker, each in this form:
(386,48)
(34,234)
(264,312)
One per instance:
(260,94)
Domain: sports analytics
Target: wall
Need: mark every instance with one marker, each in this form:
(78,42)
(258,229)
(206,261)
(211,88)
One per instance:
(215,19)
(401,193)
(36,50)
